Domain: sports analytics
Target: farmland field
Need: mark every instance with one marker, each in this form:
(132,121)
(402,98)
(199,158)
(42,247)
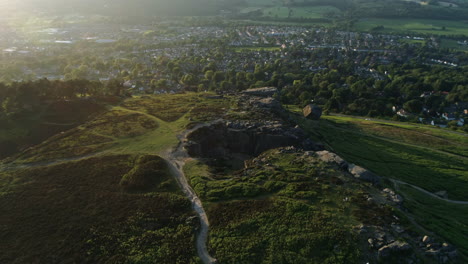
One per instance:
(300,12)
(424,26)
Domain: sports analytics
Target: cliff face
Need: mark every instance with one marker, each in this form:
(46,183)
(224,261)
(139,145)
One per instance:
(222,139)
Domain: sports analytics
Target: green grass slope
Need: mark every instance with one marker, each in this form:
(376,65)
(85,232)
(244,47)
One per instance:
(79,212)
(99,193)
(430,158)
(286,208)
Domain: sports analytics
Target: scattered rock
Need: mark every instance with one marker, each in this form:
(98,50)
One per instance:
(361,229)
(371,242)
(263,92)
(426,239)
(379,235)
(392,196)
(446,247)
(396,247)
(434,246)
(363,174)
(433,253)
(330,157)
(398,228)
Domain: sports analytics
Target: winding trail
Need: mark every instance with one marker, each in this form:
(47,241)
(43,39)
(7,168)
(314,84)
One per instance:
(176,159)
(395,182)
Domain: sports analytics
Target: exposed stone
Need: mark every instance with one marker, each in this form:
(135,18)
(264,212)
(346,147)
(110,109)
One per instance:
(263,92)
(220,139)
(426,239)
(433,253)
(327,156)
(312,111)
(396,247)
(371,242)
(361,229)
(398,228)
(397,199)
(434,246)
(392,196)
(379,235)
(447,247)
(363,174)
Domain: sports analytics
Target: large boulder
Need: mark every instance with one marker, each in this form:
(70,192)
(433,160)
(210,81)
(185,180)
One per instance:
(363,174)
(312,111)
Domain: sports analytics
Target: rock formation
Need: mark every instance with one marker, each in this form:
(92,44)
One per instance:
(312,111)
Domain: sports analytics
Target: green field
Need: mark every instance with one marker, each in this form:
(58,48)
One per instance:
(300,12)
(425,26)
(431,158)
(445,219)
(429,161)
(452,44)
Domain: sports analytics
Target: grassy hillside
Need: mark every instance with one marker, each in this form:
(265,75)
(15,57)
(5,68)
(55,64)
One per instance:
(99,193)
(32,127)
(128,8)
(285,208)
(146,124)
(80,212)
(433,159)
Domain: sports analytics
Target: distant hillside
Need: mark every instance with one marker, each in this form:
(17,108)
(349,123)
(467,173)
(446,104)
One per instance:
(130,8)
(357,9)
(257,9)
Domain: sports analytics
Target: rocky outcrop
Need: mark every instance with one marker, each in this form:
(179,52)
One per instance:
(392,196)
(266,103)
(312,111)
(262,92)
(330,157)
(440,253)
(363,174)
(252,138)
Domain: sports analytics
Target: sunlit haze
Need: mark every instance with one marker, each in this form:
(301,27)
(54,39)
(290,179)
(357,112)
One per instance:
(234,131)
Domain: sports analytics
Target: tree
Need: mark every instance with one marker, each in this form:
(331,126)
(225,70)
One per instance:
(413,106)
